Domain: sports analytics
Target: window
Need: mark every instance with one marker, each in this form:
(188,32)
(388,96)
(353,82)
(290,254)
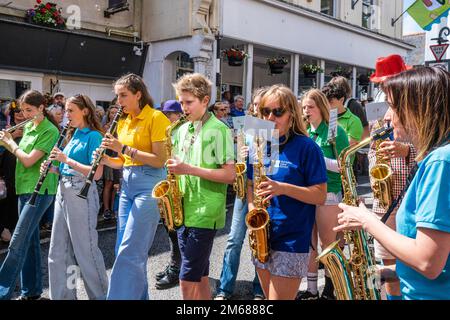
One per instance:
(370,15)
(115,6)
(327,7)
(184,64)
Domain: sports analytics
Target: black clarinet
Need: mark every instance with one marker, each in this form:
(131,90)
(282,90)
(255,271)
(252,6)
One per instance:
(32,201)
(90,178)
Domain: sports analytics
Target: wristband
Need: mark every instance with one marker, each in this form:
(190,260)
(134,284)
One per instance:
(124,148)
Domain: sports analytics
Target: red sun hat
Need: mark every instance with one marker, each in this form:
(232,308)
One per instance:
(387,67)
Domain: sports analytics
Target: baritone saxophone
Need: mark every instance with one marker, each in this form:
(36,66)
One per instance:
(381,177)
(167,192)
(353,278)
(258,219)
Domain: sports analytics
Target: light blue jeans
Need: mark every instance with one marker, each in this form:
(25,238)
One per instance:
(136,227)
(24,252)
(232,256)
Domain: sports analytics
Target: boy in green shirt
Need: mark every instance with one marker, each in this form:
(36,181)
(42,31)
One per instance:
(205,164)
(346,119)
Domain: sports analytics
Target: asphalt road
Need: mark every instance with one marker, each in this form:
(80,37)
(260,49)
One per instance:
(159,256)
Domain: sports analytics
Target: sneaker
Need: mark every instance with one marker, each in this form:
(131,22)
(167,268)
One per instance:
(35,298)
(327,296)
(6,235)
(170,280)
(107,215)
(259,297)
(162,274)
(306,295)
(220,296)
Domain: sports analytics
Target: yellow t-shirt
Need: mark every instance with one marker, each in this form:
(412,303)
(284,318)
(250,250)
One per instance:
(139,133)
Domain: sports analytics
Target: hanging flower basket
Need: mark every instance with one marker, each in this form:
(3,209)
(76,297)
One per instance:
(277,65)
(235,57)
(46,14)
(311,70)
(346,73)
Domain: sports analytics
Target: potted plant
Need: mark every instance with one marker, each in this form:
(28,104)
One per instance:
(276,64)
(311,70)
(46,14)
(346,73)
(235,57)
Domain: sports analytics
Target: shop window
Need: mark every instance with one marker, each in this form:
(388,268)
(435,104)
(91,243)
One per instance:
(184,64)
(327,7)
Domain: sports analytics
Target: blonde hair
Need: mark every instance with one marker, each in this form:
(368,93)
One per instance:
(321,102)
(195,83)
(286,98)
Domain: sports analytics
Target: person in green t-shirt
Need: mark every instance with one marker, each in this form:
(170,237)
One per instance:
(38,139)
(317,110)
(346,119)
(204,163)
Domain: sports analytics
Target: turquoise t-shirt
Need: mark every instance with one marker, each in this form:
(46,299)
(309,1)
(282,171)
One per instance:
(81,148)
(426,205)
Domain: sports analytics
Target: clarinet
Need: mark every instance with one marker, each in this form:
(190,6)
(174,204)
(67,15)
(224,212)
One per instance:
(32,201)
(90,178)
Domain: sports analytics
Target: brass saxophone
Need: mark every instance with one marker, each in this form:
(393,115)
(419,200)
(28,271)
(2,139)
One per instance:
(258,219)
(167,192)
(352,278)
(381,177)
(239,185)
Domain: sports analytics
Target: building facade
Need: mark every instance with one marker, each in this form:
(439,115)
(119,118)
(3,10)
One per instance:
(340,36)
(100,43)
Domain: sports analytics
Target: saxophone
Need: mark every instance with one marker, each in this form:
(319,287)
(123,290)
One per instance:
(167,192)
(239,185)
(381,177)
(353,278)
(258,219)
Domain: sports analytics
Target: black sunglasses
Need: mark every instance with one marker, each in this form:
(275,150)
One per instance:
(277,112)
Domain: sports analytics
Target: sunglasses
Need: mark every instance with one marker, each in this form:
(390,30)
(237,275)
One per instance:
(277,112)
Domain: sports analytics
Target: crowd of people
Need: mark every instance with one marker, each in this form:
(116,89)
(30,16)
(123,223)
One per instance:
(302,187)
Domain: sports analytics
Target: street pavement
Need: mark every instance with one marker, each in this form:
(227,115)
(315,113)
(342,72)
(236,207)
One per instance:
(159,256)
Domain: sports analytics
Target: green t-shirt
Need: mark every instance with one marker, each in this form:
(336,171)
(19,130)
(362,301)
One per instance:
(351,124)
(43,138)
(204,200)
(320,135)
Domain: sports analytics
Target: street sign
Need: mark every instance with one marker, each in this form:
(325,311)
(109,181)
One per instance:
(439,50)
(443,64)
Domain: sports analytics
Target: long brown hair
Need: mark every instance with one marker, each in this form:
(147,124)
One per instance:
(135,84)
(286,98)
(321,102)
(420,98)
(36,99)
(84,102)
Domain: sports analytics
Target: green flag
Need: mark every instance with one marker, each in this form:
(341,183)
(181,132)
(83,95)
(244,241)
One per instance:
(427,12)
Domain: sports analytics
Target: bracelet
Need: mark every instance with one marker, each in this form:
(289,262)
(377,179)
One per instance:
(124,148)
(133,153)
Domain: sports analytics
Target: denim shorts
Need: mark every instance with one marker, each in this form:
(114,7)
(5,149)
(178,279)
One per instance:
(195,248)
(285,264)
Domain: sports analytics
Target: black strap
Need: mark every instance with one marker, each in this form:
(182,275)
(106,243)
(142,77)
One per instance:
(394,204)
(411,175)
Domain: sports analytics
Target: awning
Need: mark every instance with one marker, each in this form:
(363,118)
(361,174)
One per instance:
(40,49)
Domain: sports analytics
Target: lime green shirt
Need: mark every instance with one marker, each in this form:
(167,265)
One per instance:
(204,200)
(43,138)
(351,124)
(320,135)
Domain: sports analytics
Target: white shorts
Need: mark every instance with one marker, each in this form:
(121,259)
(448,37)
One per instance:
(380,251)
(333,199)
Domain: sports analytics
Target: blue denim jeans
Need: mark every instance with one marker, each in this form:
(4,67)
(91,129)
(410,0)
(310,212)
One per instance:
(136,227)
(24,252)
(232,256)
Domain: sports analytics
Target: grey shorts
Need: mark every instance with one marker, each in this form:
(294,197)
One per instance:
(285,264)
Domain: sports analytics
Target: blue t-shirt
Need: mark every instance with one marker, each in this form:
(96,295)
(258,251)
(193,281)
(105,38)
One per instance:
(80,148)
(299,162)
(426,205)
(235,112)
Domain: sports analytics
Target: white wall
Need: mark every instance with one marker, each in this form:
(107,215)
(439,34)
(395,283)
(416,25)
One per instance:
(95,91)
(34,78)
(259,23)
